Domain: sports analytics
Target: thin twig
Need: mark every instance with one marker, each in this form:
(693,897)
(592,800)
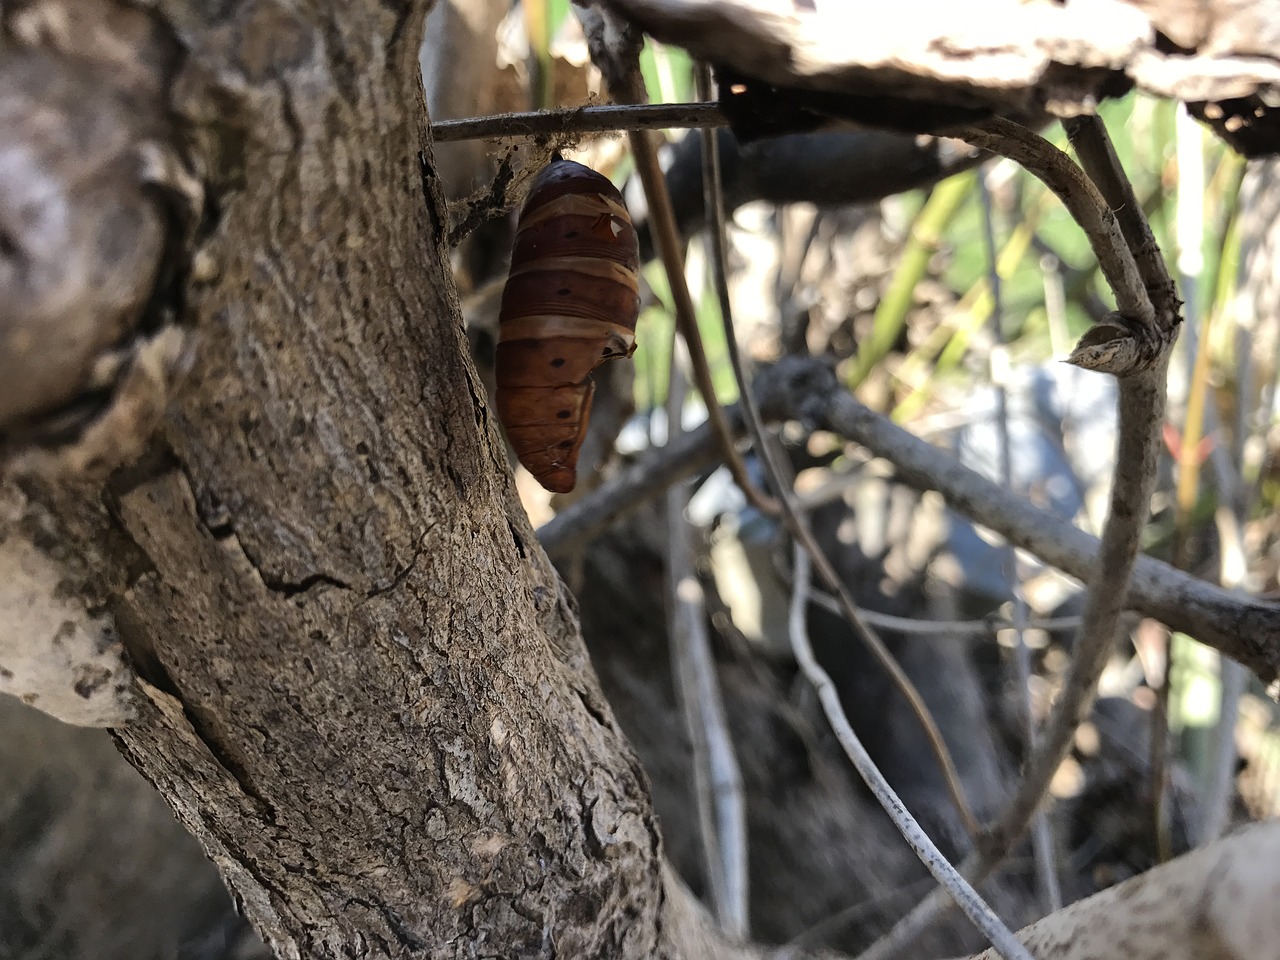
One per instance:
(946,628)
(998,364)
(717,779)
(772,460)
(579,120)
(1141,414)
(663,224)
(974,907)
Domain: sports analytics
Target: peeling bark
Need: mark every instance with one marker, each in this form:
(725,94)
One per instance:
(56,654)
(939,63)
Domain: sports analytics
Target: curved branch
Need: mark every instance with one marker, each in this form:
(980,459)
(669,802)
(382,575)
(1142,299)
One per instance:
(1083,201)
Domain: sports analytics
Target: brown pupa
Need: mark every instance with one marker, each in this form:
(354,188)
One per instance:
(570,303)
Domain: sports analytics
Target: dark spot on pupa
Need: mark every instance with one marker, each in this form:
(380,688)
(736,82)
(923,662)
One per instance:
(565,444)
(564,414)
(564,291)
(558,362)
(571,234)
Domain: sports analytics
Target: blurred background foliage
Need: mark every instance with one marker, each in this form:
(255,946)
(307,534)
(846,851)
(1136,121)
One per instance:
(906,294)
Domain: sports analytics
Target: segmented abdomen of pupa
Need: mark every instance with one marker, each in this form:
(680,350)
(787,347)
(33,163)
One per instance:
(571,303)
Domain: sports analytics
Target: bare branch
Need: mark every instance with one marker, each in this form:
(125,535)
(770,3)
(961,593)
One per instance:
(781,481)
(974,907)
(579,120)
(804,389)
(1135,339)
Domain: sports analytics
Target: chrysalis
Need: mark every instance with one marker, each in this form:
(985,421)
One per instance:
(570,304)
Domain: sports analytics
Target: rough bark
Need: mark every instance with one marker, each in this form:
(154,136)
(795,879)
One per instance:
(365,693)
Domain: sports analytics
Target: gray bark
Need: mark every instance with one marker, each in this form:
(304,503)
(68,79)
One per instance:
(365,691)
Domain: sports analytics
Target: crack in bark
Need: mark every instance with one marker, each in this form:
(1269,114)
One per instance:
(223,530)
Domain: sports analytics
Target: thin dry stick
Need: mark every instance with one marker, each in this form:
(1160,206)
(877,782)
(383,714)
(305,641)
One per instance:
(663,220)
(974,907)
(946,628)
(579,120)
(717,778)
(1042,839)
(1083,201)
(1141,413)
(777,472)
(1246,628)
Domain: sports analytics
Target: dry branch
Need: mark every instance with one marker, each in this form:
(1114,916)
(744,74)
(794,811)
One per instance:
(996,56)
(1217,903)
(579,120)
(1242,627)
(1133,339)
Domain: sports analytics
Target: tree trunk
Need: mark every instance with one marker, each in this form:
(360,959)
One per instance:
(366,693)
